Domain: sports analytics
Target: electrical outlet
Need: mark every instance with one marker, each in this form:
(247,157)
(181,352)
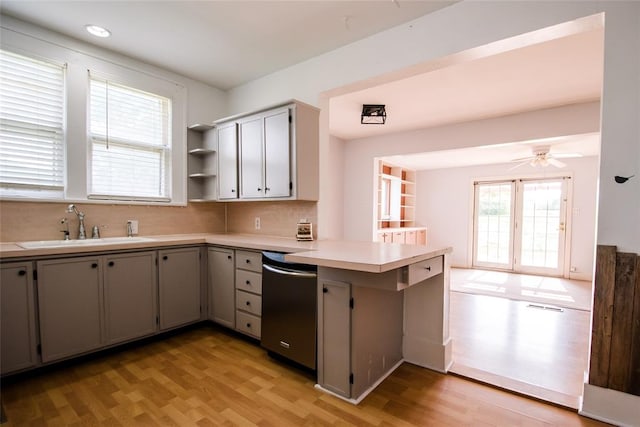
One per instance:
(134,226)
(257,223)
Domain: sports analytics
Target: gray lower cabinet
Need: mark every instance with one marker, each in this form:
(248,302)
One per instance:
(130,296)
(17,317)
(359,332)
(334,337)
(249,293)
(221,275)
(70,306)
(179,286)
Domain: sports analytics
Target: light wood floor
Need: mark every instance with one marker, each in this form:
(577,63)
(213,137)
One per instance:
(207,376)
(519,346)
(552,291)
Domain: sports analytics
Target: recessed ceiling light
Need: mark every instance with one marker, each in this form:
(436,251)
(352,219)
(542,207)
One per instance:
(97,30)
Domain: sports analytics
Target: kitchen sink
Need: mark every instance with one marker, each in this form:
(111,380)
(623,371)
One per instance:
(43,244)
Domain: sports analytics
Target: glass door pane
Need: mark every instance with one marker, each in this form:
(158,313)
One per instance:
(541,244)
(493,224)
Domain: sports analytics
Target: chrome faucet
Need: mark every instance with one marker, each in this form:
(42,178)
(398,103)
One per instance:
(81,232)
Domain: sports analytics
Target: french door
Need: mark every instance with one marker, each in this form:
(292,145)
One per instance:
(519,225)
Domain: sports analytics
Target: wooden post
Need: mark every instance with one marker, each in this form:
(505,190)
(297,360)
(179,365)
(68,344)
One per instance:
(604,286)
(620,353)
(634,366)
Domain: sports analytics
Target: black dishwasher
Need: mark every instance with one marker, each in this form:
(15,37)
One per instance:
(289,305)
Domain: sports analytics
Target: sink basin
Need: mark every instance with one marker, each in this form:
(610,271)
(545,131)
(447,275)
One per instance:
(43,244)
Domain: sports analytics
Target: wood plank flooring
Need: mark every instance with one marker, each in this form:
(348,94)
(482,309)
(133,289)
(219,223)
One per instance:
(535,351)
(208,376)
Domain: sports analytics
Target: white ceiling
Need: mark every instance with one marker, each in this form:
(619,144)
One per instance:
(559,72)
(582,145)
(222,43)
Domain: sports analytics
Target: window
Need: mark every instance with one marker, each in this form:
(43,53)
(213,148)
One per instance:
(130,142)
(31,125)
(113,134)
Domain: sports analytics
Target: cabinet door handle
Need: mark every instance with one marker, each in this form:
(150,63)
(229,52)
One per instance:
(248,261)
(259,189)
(248,282)
(94,265)
(267,189)
(248,325)
(22,272)
(248,303)
(228,256)
(325,290)
(233,190)
(428,268)
(165,257)
(111,263)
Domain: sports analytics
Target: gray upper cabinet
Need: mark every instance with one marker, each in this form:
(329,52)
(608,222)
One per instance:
(179,286)
(227,161)
(265,155)
(221,264)
(251,133)
(17,317)
(130,296)
(70,306)
(277,154)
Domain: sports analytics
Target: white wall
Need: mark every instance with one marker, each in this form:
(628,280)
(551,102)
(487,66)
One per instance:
(360,153)
(444,205)
(204,103)
(335,181)
(470,24)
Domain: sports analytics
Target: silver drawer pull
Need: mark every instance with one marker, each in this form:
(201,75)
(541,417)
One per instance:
(284,344)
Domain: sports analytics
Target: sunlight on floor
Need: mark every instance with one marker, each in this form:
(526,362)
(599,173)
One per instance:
(575,294)
(556,297)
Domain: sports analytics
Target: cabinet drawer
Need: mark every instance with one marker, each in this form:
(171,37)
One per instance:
(249,302)
(248,323)
(397,237)
(423,270)
(249,281)
(249,261)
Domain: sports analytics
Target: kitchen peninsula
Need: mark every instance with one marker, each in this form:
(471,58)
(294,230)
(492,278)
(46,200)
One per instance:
(378,304)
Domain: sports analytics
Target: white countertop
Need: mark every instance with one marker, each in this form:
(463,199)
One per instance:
(372,257)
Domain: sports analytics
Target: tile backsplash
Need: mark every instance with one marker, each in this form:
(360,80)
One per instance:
(276,218)
(20,221)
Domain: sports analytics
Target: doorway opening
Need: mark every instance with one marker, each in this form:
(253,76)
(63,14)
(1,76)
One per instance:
(468,134)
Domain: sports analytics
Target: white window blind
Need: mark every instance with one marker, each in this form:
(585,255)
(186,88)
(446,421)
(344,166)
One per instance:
(130,142)
(31,124)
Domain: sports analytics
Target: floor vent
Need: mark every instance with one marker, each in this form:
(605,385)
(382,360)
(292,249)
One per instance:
(545,307)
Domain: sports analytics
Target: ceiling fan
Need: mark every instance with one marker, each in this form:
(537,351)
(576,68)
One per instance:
(541,157)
